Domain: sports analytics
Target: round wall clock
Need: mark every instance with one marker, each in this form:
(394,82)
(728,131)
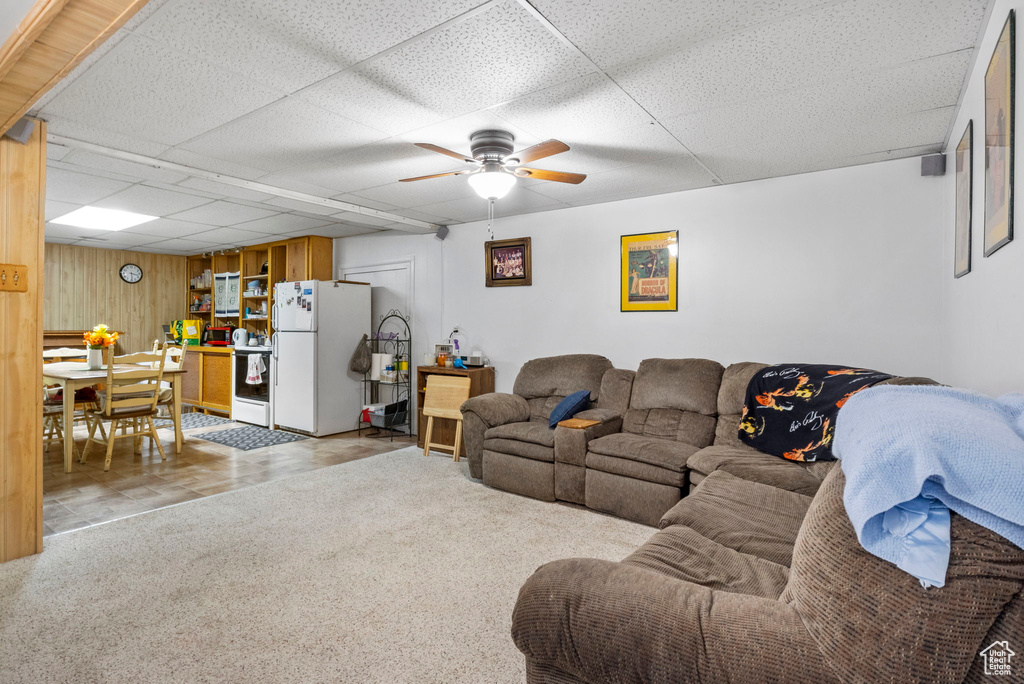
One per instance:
(130,273)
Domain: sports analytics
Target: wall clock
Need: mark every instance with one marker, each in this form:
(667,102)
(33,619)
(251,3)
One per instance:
(130,273)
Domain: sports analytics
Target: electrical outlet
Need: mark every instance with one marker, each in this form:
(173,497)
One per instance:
(13,278)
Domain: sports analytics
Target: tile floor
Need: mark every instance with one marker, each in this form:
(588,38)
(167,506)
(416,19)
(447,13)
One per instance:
(138,483)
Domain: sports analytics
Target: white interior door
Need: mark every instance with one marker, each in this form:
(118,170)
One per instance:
(390,288)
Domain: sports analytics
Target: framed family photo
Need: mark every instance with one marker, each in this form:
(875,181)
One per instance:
(964,202)
(508,262)
(650,271)
(999,143)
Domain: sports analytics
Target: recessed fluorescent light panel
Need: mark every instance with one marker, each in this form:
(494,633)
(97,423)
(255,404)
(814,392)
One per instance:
(102,219)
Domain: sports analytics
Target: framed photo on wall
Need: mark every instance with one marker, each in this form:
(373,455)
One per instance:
(999,113)
(508,262)
(964,202)
(650,271)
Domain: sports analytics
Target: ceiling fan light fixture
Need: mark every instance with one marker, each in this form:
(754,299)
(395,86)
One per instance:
(492,183)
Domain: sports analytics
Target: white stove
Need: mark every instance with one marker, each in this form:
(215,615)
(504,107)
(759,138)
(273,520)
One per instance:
(252,402)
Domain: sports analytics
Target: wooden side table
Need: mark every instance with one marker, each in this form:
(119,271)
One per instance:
(481,381)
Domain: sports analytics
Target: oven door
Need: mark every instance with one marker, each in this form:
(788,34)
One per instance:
(259,391)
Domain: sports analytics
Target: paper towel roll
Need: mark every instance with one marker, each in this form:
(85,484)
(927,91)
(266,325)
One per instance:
(376,366)
(385,361)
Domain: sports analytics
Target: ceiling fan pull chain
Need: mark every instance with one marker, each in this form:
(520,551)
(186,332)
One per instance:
(490,217)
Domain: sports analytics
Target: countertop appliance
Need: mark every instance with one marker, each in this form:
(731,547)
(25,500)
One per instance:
(317,325)
(240,337)
(252,402)
(219,336)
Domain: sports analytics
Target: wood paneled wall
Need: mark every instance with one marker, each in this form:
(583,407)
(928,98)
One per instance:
(22,197)
(83,289)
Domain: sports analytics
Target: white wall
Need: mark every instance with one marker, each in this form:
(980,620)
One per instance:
(983,321)
(839,266)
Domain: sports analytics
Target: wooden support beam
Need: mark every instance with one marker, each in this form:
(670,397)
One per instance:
(48,43)
(22,211)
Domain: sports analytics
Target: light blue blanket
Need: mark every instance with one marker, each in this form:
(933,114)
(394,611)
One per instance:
(912,453)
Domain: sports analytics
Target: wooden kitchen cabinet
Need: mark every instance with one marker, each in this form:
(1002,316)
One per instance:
(207,382)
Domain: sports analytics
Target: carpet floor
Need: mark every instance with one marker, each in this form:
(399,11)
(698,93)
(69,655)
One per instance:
(393,568)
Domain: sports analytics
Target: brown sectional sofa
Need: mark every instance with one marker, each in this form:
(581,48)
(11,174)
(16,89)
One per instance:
(663,429)
(750,582)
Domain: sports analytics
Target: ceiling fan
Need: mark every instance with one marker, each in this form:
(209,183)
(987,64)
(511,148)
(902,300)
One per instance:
(495,167)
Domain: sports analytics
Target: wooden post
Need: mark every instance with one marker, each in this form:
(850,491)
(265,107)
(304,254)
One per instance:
(22,200)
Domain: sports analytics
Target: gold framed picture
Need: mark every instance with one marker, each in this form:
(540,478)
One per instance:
(508,262)
(650,271)
(964,202)
(999,113)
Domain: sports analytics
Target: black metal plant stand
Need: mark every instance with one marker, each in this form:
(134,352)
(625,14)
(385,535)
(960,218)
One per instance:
(393,336)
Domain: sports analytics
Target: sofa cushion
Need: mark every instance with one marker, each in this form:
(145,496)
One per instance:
(671,424)
(683,553)
(546,381)
(757,466)
(635,469)
(514,447)
(749,517)
(730,401)
(663,453)
(529,431)
(683,384)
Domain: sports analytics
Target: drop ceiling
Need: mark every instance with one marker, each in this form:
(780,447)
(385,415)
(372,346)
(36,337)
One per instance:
(325,98)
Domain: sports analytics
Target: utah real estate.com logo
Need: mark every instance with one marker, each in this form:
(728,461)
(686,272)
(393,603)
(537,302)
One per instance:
(997,658)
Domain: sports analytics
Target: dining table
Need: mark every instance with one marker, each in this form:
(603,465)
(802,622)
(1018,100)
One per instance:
(71,376)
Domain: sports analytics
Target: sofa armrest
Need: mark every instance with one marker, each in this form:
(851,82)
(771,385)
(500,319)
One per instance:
(613,622)
(571,443)
(498,408)
(487,411)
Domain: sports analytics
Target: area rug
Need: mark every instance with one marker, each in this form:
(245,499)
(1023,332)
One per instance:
(393,568)
(249,437)
(190,421)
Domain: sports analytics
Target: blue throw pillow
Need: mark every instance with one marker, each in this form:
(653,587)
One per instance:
(569,407)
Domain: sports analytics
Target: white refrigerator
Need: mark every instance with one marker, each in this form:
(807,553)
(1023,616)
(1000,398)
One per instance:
(317,325)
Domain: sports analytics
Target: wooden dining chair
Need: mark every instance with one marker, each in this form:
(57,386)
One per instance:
(130,400)
(443,398)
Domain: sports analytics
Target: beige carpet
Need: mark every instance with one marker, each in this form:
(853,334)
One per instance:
(394,568)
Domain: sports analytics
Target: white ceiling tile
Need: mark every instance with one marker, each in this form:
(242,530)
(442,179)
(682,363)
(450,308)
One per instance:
(98,173)
(586,107)
(151,201)
(183,190)
(222,213)
(491,57)
(104,238)
(677,173)
(55,209)
(231,236)
(518,201)
(423,216)
(363,202)
(367,167)
(56,230)
(207,163)
(189,247)
(830,44)
(418,193)
(100,162)
(69,127)
(306,207)
(288,45)
(286,133)
(79,188)
(281,223)
(119,92)
(612,32)
(337,230)
(168,228)
(224,190)
(55,152)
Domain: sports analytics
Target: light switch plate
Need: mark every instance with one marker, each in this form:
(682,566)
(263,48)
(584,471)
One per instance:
(13,278)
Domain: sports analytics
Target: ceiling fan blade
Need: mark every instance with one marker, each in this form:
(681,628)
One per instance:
(558,176)
(446,152)
(435,175)
(540,150)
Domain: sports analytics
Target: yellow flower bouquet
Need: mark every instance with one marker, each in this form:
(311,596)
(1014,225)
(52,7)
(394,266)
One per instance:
(100,337)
